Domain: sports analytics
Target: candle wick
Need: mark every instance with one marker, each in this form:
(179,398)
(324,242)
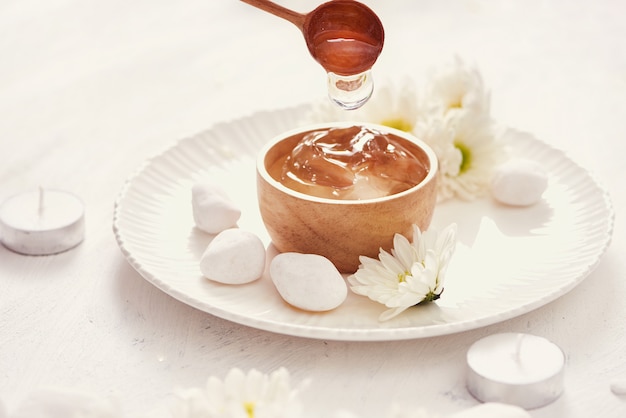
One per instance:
(41,202)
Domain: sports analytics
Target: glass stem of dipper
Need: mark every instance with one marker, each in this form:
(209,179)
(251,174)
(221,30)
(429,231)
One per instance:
(346,38)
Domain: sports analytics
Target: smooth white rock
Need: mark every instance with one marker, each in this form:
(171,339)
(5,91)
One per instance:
(519,182)
(618,387)
(308,281)
(235,256)
(213,211)
(493,410)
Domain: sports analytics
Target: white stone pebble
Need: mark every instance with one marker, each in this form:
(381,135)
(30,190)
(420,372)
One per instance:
(618,387)
(213,211)
(492,410)
(519,182)
(235,256)
(308,281)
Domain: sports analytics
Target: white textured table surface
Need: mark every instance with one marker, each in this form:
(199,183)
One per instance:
(89,90)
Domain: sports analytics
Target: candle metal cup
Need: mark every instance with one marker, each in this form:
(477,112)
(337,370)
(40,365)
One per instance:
(341,230)
(42,222)
(517,369)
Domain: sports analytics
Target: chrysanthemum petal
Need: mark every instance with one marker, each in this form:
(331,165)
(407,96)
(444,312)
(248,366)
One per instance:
(403,251)
(391,263)
(392,313)
(411,273)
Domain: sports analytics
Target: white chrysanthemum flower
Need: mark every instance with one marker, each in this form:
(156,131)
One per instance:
(459,128)
(393,105)
(241,395)
(412,273)
(455,87)
(475,139)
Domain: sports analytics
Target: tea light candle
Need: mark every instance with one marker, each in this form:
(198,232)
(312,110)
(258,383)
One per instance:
(42,222)
(517,369)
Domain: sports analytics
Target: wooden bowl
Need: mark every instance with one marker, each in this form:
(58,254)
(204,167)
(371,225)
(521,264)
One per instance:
(341,230)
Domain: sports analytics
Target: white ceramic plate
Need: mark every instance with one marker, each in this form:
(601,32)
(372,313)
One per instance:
(508,260)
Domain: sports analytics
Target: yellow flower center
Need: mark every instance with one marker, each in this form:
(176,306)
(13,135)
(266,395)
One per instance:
(399,124)
(402,276)
(249,407)
(466,157)
(456,104)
